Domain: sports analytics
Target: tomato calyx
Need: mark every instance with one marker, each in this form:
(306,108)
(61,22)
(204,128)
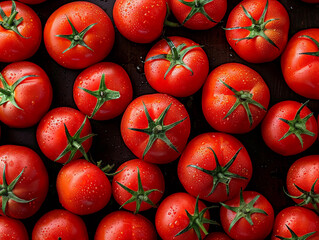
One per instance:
(103,94)
(297,126)
(257,28)
(76,38)
(157,130)
(315,42)
(294,235)
(175,57)
(245,210)
(243,98)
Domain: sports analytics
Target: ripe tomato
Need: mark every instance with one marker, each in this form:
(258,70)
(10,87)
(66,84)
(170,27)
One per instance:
(214,166)
(198,14)
(26,94)
(59,224)
(24,181)
(155,128)
(78,34)
(83,188)
(249,216)
(217,236)
(140,21)
(176,66)
(64,134)
(300,65)
(103,91)
(138,186)
(12,229)
(289,128)
(258,30)
(20,31)
(235,98)
(32,1)
(123,225)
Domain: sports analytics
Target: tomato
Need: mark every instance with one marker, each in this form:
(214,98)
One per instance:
(78,34)
(138,186)
(59,224)
(64,134)
(26,94)
(20,32)
(217,236)
(289,128)
(296,220)
(260,34)
(176,66)
(123,225)
(12,229)
(235,98)
(300,63)
(198,14)
(103,91)
(24,181)
(155,128)
(248,216)
(32,1)
(214,166)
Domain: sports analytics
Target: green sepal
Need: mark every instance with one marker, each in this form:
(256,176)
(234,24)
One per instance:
(294,235)
(316,54)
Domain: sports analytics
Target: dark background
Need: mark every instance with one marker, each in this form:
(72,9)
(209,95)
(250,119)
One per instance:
(270,169)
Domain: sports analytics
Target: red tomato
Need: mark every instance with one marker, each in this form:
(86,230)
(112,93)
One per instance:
(60,145)
(259,35)
(155,128)
(140,21)
(217,236)
(138,186)
(59,224)
(28,94)
(235,98)
(11,229)
(249,216)
(123,225)
(103,91)
(289,128)
(201,177)
(26,181)
(300,65)
(176,66)
(32,1)
(301,221)
(78,34)
(198,14)
(23,37)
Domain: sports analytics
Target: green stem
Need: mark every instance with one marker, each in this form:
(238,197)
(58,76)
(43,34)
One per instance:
(5,92)
(171,24)
(2,192)
(201,226)
(11,18)
(76,145)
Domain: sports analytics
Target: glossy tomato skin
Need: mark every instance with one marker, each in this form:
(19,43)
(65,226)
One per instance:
(59,223)
(32,1)
(300,70)
(242,230)
(179,82)
(51,135)
(116,79)
(12,229)
(217,99)
(258,50)
(122,225)
(273,128)
(33,183)
(99,38)
(13,47)
(33,95)
(197,152)
(217,236)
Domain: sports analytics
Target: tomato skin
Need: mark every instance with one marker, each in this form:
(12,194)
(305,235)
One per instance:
(179,82)
(33,183)
(140,21)
(217,99)
(122,225)
(81,14)
(273,128)
(14,48)
(258,50)
(116,79)
(11,229)
(217,236)
(59,223)
(32,1)
(300,70)
(33,95)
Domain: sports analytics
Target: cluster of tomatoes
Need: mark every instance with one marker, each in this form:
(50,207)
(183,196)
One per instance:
(213,168)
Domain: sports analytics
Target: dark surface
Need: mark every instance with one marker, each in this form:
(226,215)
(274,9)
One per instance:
(270,169)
